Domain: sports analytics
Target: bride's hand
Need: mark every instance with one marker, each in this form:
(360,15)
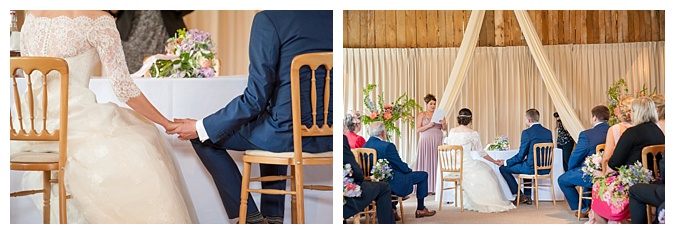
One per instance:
(171,126)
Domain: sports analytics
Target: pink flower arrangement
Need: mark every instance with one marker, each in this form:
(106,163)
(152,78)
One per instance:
(401,110)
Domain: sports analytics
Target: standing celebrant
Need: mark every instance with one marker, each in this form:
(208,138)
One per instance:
(431,136)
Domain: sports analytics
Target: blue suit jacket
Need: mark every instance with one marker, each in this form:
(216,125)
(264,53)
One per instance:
(588,140)
(402,183)
(530,136)
(262,114)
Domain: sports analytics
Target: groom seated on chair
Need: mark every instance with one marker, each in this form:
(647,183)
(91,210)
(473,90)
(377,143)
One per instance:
(404,178)
(523,162)
(588,140)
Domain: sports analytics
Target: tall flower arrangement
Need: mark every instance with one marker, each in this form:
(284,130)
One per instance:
(619,90)
(389,113)
(195,56)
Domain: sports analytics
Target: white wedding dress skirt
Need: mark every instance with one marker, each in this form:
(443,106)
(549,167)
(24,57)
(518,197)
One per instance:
(482,191)
(119,167)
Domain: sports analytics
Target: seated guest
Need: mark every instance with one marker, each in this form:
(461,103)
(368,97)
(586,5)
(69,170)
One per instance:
(352,127)
(628,151)
(641,195)
(523,162)
(380,192)
(660,103)
(588,140)
(404,178)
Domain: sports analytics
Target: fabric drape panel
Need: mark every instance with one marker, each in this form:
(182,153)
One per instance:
(230,31)
(567,114)
(501,82)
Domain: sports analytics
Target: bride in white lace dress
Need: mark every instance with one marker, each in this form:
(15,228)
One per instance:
(482,191)
(119,167)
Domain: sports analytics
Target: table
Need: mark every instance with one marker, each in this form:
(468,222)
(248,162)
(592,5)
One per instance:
(178,98)
(544,193)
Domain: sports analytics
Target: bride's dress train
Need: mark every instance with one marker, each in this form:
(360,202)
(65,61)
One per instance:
(119,167)
(482,192)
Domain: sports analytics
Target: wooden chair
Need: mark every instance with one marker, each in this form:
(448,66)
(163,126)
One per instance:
(450,160)
(366,158)
(543,160)
(25,111)
(652,151)
(587,195)
(296,159)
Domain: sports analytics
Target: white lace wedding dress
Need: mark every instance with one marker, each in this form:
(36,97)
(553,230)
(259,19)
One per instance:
(119,168)
(482,191)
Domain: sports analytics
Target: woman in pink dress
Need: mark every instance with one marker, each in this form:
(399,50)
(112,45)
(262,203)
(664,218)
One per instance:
(623,113)
(431,136)
(352,127)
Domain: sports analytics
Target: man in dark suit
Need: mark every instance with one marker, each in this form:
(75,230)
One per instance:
(404,178)
(380,192)
(654,194)
(523,162)
(588,140)
(261,119)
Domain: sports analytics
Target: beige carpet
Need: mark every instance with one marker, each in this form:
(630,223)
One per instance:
(523,214)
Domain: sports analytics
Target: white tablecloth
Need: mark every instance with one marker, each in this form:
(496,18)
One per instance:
(544,193)
(194,98)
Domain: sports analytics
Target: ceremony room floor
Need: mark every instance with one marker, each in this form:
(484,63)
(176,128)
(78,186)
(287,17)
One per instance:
(523,214)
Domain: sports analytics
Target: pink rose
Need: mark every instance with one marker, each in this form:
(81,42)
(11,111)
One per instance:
(206,64)
(596,159)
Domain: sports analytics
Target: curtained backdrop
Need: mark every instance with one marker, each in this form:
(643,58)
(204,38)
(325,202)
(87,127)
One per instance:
(501,82)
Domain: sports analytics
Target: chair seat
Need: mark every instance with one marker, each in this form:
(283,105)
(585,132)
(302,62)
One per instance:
(451,175)
(288,154)
(33,157)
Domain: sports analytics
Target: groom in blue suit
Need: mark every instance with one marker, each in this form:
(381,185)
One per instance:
(404,178)
(260,119)
(523,162)
(588,140)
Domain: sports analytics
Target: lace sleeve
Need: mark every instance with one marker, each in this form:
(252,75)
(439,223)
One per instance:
(477,145)
(106,39)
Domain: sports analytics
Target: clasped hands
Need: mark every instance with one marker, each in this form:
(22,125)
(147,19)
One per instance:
(185,128)
(499,162)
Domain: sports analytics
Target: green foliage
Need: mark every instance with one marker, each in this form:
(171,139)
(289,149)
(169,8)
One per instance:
(401,110)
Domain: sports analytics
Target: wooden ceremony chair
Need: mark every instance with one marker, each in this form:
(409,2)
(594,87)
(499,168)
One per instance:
(587,195)
(25,113)
(450,160)
(543,160)
(366,158)
(652,151)
(296,159)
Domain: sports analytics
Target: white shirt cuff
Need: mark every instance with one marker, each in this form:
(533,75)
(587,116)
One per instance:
(201,131)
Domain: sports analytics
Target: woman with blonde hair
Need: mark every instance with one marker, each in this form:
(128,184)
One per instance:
(645,132)
(660,104)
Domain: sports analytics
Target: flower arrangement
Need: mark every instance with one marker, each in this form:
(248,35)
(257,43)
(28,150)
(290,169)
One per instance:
(402,109)
(381,171)
(349,188)
(501,144)
(613,187)
(592,164)
(619,90)
(194,56)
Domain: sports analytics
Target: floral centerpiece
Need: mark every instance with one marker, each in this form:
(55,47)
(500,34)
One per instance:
(401,110)
(619,90)
(191,56)
(381,171)
(613,187)
(501,144)
(349,188)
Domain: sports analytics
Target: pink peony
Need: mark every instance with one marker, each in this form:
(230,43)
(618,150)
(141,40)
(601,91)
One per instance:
(206,63)
(596,160)
(387,116)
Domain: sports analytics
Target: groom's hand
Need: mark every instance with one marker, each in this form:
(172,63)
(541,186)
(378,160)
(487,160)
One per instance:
(187,130)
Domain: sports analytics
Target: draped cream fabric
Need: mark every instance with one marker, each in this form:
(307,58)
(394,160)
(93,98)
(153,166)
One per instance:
(502,82)
(567,115)
(230,31)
